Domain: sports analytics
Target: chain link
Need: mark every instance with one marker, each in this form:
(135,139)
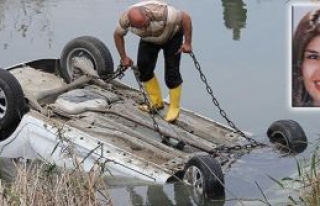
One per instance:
(119,73)
(252,143)
(153,110)
(222,149)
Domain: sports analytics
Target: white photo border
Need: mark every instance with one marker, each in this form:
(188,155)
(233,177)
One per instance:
(292,23)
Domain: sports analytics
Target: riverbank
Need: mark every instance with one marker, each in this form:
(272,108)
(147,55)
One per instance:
(39,183)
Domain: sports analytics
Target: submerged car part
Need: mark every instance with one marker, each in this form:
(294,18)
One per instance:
(289,134)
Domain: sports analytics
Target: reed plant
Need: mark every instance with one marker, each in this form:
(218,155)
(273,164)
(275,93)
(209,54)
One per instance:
(310,192)
(305,185)
(312,195)
(44,184)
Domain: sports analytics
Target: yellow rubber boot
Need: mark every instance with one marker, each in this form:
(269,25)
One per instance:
(154,92)
(174,107)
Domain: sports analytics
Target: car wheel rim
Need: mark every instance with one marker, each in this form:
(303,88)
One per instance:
(194,177)
(74,72)
(3,104)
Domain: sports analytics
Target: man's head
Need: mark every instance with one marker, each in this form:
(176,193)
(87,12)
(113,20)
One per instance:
(138,17)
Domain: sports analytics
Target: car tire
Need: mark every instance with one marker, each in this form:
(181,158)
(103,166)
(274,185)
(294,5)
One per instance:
(288,133)
(12,104)
(90,48)
(204,174)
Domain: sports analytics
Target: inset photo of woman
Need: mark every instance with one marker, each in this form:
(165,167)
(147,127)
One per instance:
(305,55)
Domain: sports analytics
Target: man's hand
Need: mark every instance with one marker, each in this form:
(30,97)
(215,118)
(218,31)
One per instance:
(126,62)
(185,48)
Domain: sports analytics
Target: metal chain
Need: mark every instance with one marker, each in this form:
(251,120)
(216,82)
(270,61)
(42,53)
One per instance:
(222,149)
(119,73)
(153,111)
(252,143)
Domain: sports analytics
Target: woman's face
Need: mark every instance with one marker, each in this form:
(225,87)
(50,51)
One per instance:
(311,70)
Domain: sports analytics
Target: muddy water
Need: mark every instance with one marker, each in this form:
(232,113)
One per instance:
(242,47)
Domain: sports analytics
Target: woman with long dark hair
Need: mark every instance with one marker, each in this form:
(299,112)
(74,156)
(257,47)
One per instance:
(306,61)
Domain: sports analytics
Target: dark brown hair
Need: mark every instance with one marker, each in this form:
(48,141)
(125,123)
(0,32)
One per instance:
(307,29)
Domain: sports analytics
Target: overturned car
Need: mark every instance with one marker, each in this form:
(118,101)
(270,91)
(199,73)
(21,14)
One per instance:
(60,109)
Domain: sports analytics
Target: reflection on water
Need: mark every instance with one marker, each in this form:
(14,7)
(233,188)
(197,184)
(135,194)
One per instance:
(180,195)
(235,16)
(24,18)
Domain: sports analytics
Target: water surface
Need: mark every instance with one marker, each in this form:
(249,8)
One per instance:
(242,47)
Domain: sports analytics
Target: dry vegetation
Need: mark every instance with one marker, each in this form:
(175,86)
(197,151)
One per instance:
(311,184)
(312,196)
(47,185)
(308,181)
